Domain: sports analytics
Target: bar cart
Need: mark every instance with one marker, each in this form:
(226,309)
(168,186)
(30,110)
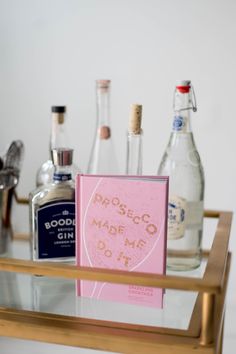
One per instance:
(38,302)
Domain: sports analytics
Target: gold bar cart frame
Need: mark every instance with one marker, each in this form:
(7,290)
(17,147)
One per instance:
(205,331)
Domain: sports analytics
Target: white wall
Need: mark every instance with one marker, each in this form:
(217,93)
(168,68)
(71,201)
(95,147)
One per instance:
(51,52)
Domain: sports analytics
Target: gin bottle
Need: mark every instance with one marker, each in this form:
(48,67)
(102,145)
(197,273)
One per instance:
(182,163)
(134,141)
(103,158)
(52,213)
(58,139)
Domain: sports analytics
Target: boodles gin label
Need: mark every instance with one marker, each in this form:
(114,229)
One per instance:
(56,231)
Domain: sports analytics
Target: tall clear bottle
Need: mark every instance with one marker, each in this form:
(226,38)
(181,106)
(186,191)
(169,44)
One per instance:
(103,158)
(134,142)
(58,139)
(182,163)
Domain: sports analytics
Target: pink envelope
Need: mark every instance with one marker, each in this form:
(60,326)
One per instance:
(121,223)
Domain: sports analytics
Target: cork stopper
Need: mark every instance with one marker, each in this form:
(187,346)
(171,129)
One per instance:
(135,119)
(58,114)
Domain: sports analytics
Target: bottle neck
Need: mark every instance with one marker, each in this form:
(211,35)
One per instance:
(182,114)
(62,174)
(103,112)
(134,154)
(58,137)
(134,141)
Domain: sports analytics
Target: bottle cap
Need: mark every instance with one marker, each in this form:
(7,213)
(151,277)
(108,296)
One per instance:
(184,86)
(135,119)
(62,156)
(103,83)
(58,109)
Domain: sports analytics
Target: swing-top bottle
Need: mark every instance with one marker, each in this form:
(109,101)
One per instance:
(181,162)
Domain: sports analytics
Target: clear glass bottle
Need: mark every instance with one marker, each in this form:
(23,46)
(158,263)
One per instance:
(182,163)
(58,139)
(103,158)
(52,213)
(134,142)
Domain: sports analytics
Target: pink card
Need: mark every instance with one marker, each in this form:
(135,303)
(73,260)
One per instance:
(121,223)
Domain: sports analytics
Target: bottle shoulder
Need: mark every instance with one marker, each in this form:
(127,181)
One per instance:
(181,160)
(47,163)
(54,192)
(46,166)
(182,147)
(45,172)
(181,138)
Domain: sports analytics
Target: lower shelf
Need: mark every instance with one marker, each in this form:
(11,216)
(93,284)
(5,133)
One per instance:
(47,309)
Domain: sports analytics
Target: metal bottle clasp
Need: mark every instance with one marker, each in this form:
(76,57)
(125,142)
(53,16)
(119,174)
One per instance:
(193,100)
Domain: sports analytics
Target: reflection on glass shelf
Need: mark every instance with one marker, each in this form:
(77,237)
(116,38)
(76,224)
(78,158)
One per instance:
(16,249)
(9,290)
(175,302)
(58,296)
(166,317)
(53,295)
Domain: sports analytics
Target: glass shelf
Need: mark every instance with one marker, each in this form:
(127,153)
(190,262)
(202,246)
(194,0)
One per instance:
(58,296)
(193,300)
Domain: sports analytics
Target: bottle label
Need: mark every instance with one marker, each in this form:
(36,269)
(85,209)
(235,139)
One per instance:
(176,217)
(56,230)
(182,215)
(62,177)
(179,124)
